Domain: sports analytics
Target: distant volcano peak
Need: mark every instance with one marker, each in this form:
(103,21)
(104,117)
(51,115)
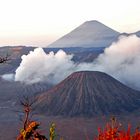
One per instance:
(92,21)
(89,22)
(89,34)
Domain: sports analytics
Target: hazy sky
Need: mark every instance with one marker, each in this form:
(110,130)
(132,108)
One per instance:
(40,22)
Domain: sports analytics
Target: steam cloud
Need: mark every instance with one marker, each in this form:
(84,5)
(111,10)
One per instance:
(8,77)
(38,66)
(121,60)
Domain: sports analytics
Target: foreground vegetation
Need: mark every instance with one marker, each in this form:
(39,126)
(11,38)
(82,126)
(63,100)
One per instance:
(113,130)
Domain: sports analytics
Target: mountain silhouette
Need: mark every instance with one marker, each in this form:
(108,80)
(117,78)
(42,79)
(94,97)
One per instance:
(89,34)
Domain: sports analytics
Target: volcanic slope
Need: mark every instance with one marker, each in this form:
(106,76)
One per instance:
(88,93)
(90,34)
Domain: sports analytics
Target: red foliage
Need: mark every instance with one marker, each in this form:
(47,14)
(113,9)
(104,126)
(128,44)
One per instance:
(113,131)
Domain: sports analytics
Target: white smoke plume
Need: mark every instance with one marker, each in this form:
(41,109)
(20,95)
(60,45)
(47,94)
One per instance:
(121,60)
(8,77)
(38,66)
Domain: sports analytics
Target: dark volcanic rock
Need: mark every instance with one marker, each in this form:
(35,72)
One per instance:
(87,94)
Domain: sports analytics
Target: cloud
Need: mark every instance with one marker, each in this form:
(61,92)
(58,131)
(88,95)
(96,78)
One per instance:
(120,60)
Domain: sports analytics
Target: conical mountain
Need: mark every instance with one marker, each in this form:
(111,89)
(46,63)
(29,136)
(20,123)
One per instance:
(88,93)
(89,34)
